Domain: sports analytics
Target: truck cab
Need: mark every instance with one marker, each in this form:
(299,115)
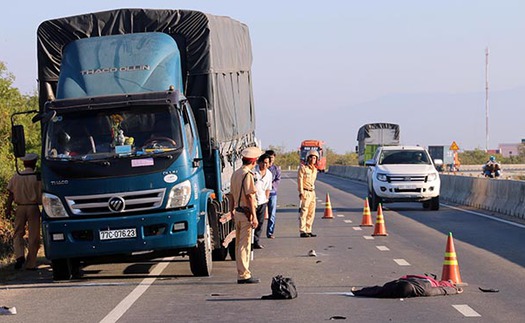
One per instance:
(403,174)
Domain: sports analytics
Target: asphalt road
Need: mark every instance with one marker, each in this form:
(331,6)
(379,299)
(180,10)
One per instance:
(490,255)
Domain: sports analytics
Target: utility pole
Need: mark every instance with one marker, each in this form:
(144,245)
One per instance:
(486,99)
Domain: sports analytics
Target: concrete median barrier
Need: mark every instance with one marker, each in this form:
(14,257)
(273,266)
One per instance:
(497,195)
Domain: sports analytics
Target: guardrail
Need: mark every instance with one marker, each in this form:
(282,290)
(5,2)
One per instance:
(497,195)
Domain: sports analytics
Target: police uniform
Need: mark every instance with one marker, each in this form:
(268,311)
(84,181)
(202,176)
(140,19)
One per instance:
(26,190)
(242,184)
(306,185)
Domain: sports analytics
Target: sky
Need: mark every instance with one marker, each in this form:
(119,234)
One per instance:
(323,69)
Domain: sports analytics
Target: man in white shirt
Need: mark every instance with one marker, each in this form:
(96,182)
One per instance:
(263,184)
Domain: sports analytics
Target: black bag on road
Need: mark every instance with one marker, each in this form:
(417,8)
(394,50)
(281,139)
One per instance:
(282,288)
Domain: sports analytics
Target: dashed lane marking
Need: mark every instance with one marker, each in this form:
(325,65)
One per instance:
(348,221)
(357,229)
(466,310)
(132,297)
(368,237)
(402,262)
(382,248)
(340,215)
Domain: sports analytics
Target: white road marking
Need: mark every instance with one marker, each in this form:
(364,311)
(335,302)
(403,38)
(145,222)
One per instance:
(466,310)
(368,237)
(402,262)
(382,248)
(357,229)
(348,221)
(126,303)
(340,215)
(485,216)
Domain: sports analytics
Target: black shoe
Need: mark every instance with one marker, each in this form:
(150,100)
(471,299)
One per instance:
(304,235)
(250,280)
(257,246)
(19,262)
(312,235)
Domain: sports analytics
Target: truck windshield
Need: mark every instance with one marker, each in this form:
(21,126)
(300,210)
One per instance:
(96,134)
(403,157)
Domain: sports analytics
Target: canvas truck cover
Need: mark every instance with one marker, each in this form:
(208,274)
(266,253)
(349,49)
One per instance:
(379,133)
(216,60)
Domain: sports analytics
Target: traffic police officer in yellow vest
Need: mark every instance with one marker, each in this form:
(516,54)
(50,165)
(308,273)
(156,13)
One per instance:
(306,177)
(243,198)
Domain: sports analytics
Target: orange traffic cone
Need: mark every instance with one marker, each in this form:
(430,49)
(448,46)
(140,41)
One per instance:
(367,216)
(328,209)
(380,229)
(450,264)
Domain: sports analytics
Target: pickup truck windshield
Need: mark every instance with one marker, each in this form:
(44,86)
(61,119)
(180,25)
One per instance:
(100,134)
(403,157)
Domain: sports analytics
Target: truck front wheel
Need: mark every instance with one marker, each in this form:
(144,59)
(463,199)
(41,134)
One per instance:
(61,269)
(201,255)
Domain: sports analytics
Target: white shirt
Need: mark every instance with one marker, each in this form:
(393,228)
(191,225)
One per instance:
(262,184)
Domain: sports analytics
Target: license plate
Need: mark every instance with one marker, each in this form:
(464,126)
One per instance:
(407,187)
(118,234)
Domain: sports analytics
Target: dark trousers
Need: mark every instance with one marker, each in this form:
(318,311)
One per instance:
(260,218)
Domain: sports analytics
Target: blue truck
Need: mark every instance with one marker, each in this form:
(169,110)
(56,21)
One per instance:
(144,114)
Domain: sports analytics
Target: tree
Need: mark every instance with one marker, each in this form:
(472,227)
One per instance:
(11,100)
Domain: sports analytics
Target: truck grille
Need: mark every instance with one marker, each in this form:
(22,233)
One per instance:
(115,202)
(407,178)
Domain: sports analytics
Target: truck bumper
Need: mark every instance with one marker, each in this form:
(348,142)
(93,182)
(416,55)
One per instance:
(81,238)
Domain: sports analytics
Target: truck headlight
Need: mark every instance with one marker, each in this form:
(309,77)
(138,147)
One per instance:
(179,195)
(53,206)
(381,177)
(432,177)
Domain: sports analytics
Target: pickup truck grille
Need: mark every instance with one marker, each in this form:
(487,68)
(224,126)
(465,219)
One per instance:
(115,202)
(407,178)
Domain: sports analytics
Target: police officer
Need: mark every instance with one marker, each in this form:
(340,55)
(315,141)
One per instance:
(306,177)
(25,191)
(243,198)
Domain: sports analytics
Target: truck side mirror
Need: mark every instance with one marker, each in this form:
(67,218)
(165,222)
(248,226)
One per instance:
(19,140)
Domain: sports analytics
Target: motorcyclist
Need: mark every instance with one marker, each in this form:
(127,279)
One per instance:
(492,168)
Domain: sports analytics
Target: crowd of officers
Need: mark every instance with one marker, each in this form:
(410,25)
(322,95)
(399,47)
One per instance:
(252,187)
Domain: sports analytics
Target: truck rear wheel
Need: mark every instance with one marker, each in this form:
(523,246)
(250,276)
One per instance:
(200,256)
(231,249)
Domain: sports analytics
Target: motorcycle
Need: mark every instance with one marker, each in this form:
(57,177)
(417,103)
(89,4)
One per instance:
(491,170)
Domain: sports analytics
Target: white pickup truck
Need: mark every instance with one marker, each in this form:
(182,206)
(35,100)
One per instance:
(403,174)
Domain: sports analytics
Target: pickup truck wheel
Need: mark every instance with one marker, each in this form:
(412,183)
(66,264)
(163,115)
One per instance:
(374,201)
(434,203)
(201,255)
(61,269)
